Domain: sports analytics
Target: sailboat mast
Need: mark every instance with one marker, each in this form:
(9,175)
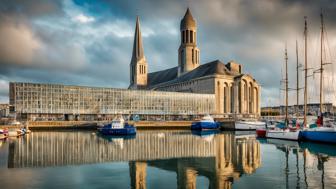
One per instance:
(286,82)
(321,68)
(305,75)
(297,79)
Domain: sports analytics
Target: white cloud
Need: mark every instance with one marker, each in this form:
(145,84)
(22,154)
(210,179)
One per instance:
(84,19)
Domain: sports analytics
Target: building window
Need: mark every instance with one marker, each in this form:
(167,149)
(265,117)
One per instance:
(191,37)
(192,55)
(187,36)
(183,38)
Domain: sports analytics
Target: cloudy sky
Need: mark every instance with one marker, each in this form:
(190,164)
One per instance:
(90,42)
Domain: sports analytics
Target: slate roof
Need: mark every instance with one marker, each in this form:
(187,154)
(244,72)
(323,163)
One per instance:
(169,76)
(162,76)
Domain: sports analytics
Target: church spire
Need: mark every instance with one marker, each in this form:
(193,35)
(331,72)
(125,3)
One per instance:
(138,65)
(138,51)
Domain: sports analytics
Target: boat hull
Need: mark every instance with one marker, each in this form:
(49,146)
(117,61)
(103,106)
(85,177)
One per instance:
(326,136)
(128,130)
(204,125)
(248,125)
(283,134)
(261,133)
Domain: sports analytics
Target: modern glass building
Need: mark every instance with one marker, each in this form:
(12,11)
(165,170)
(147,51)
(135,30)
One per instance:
(53,101)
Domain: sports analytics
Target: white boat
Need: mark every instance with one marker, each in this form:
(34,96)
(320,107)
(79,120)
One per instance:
(15,133)
(249,125)
(285,134)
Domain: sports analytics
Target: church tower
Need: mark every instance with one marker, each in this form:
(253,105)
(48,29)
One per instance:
(138,65)
(188,53)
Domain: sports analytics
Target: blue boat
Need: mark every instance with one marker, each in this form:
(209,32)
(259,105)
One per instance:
(320,131)
(118,127)
(206,123)
(319,134)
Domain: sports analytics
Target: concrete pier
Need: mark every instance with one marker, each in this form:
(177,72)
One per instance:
(54,125)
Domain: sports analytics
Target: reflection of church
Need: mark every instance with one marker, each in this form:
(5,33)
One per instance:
(233,157)
(221,158)
(235,91)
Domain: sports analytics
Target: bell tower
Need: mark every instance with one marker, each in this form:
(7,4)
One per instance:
(188,53)
(138,65)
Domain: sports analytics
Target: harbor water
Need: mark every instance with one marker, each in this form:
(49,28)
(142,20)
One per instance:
(163,159)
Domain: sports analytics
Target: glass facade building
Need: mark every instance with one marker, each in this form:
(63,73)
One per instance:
(47,99)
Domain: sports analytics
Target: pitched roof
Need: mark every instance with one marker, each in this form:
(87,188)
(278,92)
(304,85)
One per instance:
(211,68)
(162,76)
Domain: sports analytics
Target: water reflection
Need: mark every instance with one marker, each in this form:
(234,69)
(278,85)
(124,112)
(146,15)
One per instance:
(313,158)
(221,158)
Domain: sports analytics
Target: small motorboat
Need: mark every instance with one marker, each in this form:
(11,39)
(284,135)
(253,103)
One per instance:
(249,125)
(118,127)
(207,122)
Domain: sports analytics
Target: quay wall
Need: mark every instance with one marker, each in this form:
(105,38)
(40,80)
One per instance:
(35,125)
(54,125)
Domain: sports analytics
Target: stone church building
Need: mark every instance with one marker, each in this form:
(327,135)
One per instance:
(236,93)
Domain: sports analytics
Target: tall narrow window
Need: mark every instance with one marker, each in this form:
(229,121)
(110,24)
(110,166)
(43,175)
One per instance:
(187,36)
(192,55)
(191,36)
(196,56)
(183,38)
(232,99)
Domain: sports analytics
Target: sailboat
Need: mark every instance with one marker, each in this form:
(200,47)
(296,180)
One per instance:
(285,133)
(321,131)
